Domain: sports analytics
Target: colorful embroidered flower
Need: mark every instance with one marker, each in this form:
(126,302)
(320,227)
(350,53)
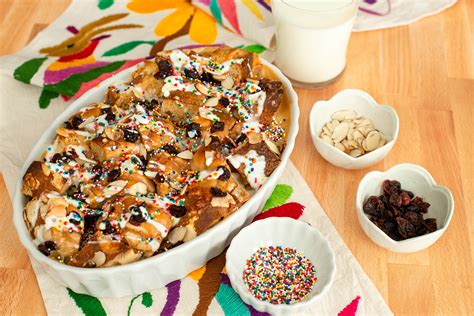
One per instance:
(186,18)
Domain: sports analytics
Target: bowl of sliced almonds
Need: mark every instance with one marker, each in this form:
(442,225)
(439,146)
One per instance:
(353,131)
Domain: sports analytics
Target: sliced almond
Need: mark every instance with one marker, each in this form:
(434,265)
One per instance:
(364,145)
(219,77)
(364,123)
(340,132)
(185,155)
(327,139)
(350,134)
(227,83)
(335,123)
(355,153)
(209,157)
(340,146)
(207,141)
(330,127)
(327,131)
(114,187)
(138,188)
(212,102)
(88,120)
(372,139)
(271,145)
(344,115)
(350,144)
(382,140)
(99,258)
(177,235)
(190,233)
(58,211)
(203,89)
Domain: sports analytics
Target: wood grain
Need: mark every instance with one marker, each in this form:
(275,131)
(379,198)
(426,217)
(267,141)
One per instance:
(426,71)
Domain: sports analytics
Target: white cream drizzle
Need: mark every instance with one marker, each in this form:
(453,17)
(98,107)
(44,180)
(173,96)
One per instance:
(254,167)
(176,83)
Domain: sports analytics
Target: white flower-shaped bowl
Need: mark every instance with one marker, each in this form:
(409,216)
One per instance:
(384,118)
(285,232)
(419,181)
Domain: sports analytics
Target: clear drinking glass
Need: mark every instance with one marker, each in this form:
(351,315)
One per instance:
(312,38)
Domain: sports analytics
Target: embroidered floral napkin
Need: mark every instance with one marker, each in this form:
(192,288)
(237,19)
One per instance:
(91,41)
(94,39)
(208,289)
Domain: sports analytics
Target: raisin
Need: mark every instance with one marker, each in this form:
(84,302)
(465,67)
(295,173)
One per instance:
(410,194)
(110,117)
(71,190)
(191,73)
(106,110)
(97,170)
(395,200)
(75,121)
(137,214)
(75,221)
(90,264)
(113,175)
(413,217)
(46,247)
(193,130)
(217,127)
(218,192)
(430,224)
(56,158)
(241,138)
(207,77)
(405,228)
(140,162)
(130,135)
(109,228)
(170,149)
(89,228)
(151,105)
(79,196)
(391,186)
(165,69)
(224,150)
(225,174)
(224,101)
(159,178)
(177,211)
(405,198)
(373,206)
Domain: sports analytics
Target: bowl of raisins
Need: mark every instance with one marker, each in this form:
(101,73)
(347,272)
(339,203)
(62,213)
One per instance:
(403,209)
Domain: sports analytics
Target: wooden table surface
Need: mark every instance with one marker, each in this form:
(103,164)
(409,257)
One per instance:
(426,71)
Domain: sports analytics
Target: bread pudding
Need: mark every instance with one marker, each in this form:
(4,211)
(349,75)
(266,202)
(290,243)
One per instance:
(162,159)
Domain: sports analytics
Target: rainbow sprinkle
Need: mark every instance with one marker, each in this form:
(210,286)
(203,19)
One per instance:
(279,275)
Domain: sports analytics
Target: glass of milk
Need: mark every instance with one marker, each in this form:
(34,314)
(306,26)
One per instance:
(312,38)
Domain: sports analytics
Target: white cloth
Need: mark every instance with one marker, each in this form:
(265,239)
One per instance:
(381,14)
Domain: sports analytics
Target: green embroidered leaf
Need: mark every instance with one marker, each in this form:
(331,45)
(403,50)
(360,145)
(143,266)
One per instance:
(216,11)
(27,70)
(280,195)
(90,305)
(255,48)
(105,4)
(126,47)
(73,83)
(147,299)
(46,97)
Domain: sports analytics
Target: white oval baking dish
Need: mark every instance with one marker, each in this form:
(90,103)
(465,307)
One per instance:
(157,271)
